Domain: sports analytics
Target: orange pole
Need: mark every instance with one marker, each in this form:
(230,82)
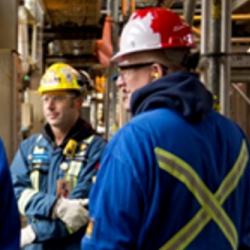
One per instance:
(124,7)
(132,6)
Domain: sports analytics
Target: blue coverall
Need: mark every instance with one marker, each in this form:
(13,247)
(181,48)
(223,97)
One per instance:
(10,225)
(37,167)
(177,176)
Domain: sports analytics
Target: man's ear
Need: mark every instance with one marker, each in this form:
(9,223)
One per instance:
(157,71)
(79,102)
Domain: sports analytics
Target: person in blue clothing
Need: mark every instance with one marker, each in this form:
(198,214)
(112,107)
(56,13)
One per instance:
(9,216)
(176,176)
(52,171)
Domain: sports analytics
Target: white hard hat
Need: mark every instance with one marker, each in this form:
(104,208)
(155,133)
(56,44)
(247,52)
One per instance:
(154,28)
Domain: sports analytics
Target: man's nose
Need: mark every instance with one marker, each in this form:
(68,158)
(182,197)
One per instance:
(50,103)
(120,82)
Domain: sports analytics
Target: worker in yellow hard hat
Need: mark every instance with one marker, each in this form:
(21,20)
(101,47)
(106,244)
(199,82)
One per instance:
(52,170)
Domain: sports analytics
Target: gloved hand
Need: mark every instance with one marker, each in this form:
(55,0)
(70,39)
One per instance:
(71,212)
(27,236)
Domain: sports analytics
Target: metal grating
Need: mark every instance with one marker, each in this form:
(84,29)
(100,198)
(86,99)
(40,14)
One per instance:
(73,12)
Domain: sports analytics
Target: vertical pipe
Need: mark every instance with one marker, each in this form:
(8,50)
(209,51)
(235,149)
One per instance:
(34,43)
(189,10)
(124,7)
(132,6)
(205,13)
(107,85)
(110,100)
(115,49)
(128,7)
(215,38)
(225,68)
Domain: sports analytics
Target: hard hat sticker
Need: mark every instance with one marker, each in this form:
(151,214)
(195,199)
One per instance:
(50,78)
(68,74)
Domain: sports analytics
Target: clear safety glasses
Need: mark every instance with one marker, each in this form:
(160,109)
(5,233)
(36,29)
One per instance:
(56,98)
(127,72)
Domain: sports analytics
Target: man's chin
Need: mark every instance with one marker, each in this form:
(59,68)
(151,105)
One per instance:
(53,123)
(126,105)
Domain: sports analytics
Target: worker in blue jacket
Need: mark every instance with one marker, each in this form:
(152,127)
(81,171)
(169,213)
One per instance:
(177,175)
(52,171)
(9,216)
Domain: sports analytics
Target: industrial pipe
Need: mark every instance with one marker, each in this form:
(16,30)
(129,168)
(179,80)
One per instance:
(215,41)
(205,10)
(189,10)
(225,67)
(233,17)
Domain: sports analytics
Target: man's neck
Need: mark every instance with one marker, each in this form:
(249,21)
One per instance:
(61,133)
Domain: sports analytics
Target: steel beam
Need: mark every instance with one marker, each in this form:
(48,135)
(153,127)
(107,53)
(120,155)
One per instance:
(236,4)
(72,33)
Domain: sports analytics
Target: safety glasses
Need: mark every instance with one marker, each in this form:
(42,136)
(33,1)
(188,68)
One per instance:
(127,71)
(56,98)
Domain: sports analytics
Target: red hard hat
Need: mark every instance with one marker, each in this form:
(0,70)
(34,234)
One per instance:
(154,28)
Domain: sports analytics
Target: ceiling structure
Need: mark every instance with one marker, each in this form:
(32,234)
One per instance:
(72,27)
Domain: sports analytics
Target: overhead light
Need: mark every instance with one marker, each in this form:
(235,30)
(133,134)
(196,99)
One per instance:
(76,51)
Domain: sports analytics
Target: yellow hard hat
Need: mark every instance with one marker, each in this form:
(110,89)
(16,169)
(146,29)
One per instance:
(59,76)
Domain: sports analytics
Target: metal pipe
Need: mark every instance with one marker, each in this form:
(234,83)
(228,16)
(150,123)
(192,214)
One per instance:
(196,30)
(132,6)
(110,100)
(225,67)
(215,38)
(242,94)
(34,44)
(233,17)
(205,10)
(107,86)
(189,10)
(115,36)
(124,7)
(233,40)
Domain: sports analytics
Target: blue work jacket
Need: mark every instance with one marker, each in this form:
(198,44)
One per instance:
(10,224)
(36,169)
(177,176)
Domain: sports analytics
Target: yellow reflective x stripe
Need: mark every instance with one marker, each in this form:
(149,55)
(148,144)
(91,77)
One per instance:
(26,195)
(171,164)
(70,231)
(73,172)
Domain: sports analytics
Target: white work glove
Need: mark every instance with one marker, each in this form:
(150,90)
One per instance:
(27,236)
(72,213)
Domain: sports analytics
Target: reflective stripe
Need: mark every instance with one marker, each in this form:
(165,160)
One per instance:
(73,172)
(34,176)
(70,231)
(211,204)
(39,138)
(90,139)
(25,197)
(75,166)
